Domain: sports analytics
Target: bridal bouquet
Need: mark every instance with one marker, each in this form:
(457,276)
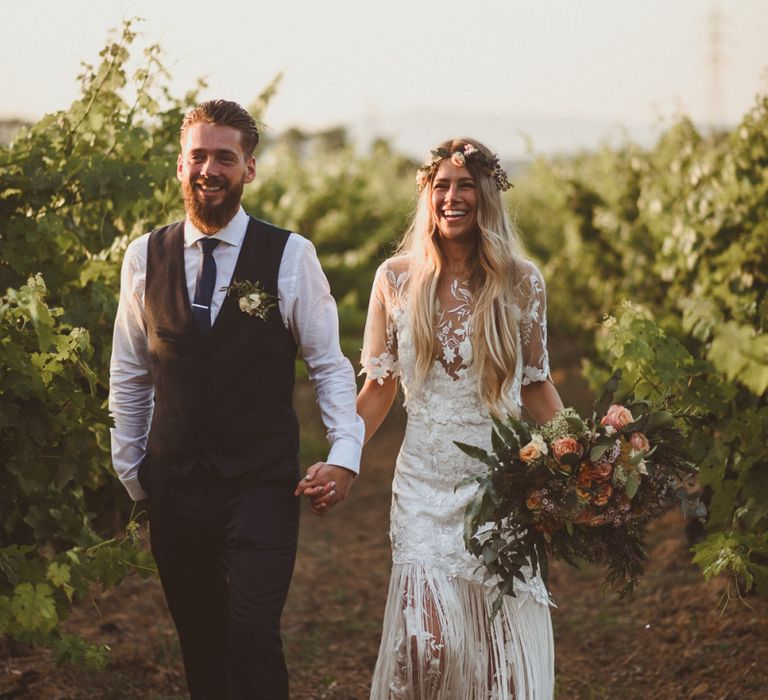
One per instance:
(577,490)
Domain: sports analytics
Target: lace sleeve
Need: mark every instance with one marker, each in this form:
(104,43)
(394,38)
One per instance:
(533,330)
(379,356)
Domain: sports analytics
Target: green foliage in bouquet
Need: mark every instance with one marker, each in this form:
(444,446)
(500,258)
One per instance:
(577,490)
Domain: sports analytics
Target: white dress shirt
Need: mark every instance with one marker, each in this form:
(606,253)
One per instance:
(307,308)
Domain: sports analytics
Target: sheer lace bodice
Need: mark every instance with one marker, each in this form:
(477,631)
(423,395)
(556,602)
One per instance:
(387,348)
(437,598)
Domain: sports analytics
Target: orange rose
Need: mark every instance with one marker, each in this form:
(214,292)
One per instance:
(584,517)
(584,477)
(566,446)
(603,494)
(584,495)
(534,500)
(617,416)
(639,442)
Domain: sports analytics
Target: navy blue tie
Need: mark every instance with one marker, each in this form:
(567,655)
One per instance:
(204,284)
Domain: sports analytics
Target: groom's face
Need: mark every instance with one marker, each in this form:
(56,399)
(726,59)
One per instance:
(212,169)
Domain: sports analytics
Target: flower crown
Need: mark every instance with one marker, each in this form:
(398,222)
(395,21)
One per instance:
(489,164)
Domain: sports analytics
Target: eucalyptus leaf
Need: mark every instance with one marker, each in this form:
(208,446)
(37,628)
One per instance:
(632,485)
(478,453)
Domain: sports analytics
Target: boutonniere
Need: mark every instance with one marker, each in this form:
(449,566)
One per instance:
(251,298)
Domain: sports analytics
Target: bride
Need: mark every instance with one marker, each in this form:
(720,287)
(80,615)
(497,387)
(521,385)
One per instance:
(458,318)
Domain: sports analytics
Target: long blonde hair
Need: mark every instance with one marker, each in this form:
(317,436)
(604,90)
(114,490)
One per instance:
(494,280)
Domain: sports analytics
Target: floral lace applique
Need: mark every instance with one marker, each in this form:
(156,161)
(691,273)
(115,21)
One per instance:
(453,330)
(380,367)
(532,321)
(385,364)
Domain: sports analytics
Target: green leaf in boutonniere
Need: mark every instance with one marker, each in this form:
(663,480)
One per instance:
(252,298)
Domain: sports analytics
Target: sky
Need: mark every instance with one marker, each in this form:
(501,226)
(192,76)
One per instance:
(549,71)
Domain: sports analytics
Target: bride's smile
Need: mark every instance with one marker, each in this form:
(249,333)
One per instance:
(454,202)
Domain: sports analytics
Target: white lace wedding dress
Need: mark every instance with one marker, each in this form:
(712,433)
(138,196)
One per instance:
(437,642)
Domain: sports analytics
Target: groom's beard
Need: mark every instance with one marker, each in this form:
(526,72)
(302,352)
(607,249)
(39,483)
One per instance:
(210,217)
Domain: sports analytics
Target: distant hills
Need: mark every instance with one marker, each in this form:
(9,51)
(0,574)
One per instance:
(513,136)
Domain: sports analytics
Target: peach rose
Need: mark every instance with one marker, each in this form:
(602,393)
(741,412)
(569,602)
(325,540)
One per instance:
(530,453)
(566,446)
(617,417)
(534,449)
(458,159)
(639,442)
(534,500)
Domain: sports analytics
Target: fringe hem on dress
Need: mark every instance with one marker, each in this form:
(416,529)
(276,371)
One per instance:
(437,642)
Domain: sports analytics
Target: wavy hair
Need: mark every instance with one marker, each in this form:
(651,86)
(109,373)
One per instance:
(495,276)
(224,113)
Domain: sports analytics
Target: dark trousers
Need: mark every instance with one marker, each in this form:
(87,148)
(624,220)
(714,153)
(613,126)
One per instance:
(225,549)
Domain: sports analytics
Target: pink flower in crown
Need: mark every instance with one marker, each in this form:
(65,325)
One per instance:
(458,159)
(422,177)
(469,149)
(617,417)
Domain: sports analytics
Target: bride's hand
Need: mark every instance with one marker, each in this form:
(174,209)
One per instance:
(325,485)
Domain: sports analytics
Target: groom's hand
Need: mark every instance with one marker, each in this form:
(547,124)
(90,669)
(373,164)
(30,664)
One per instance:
(325,485)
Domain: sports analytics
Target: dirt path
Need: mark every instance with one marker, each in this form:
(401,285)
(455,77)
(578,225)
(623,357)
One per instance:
(668,642)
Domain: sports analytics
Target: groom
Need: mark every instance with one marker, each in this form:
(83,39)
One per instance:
(201,385)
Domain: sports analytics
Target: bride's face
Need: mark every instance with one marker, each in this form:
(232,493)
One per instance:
(454,202)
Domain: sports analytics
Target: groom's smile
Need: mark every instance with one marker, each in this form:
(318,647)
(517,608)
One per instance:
(212,168)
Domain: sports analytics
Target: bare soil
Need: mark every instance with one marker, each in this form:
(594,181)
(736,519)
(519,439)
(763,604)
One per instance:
(679,637)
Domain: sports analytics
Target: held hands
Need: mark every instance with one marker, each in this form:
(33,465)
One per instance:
(325,485)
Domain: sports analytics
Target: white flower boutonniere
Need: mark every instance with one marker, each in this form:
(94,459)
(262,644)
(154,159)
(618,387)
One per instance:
(251,298)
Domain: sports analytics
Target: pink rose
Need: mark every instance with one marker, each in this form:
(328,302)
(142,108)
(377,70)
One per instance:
(602,471)
(458,159)
(617,417)
(639,442)
(566,446)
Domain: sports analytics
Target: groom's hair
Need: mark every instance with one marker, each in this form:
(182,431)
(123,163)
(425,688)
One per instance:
(224,113)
